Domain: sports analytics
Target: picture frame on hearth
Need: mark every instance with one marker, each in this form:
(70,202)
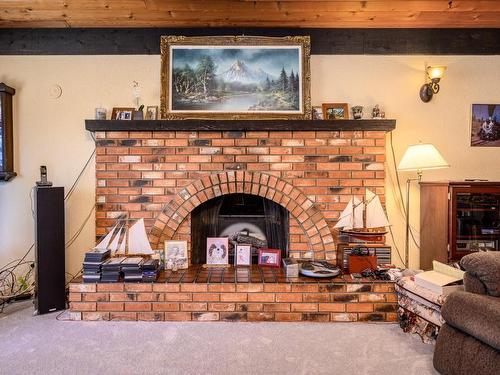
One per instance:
(235,77)
(270,258)
(218,251)
(176,254)
(160,255)
(243,255)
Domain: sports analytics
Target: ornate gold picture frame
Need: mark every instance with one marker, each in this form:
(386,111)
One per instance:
(235,77)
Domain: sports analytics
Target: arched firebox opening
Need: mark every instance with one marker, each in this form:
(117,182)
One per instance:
(244,219)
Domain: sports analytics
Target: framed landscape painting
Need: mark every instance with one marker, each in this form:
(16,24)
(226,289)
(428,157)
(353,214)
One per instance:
(485,125)
(235,77)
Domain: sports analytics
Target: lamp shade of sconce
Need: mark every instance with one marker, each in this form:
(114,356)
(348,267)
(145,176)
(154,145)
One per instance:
(422,156)
(428,90)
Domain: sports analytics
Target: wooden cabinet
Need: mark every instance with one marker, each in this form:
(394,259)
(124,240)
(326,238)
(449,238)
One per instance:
(457,218)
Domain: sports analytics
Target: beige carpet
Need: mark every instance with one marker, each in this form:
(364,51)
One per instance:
(44,345)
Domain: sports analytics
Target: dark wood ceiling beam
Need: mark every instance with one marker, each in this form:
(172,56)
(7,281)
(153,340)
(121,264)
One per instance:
(139,41)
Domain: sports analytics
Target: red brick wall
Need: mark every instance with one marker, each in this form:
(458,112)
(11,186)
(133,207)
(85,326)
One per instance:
(145,174)
(333,302)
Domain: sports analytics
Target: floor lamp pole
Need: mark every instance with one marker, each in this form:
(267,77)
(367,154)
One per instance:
(407,239)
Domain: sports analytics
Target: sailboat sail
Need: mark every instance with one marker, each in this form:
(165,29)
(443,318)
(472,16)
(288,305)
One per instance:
(123,245)
(375,214)
(138,242)
(352,216)
(106,240)
(113,246)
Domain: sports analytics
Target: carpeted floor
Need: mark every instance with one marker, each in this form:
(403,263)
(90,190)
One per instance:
(43,345)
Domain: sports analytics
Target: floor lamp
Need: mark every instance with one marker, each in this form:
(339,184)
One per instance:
(417,158)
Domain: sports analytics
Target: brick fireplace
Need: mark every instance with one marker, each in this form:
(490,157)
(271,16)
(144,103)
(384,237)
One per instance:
(165,176)
(162,176)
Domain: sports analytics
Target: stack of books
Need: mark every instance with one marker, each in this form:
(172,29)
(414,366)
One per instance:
(92,264)
(111,270)
(132,269)
(442,280)
(150,268)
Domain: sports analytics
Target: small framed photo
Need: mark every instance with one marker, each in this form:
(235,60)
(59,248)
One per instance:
(217,250)
(243,255)
(335,111)
(317,112)
(176,254)
(151,112)
(120,113)
(160,255)
(270,257)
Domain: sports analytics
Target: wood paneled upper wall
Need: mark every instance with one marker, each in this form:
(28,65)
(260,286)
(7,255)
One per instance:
(231,13)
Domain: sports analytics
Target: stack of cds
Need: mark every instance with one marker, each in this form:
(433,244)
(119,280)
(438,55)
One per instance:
(131,268)
(92,263)
(111,270)
(150,270)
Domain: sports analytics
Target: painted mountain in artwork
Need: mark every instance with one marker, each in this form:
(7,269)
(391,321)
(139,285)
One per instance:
(241,72)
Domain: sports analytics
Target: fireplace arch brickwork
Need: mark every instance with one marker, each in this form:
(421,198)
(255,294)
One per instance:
(302,210)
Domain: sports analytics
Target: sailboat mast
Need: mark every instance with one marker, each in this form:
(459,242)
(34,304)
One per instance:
(364,203)
(353,216)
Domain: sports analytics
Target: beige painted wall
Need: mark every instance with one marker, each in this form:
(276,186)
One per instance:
(51,131)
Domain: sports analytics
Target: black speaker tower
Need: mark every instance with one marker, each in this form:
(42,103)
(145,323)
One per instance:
(50,294)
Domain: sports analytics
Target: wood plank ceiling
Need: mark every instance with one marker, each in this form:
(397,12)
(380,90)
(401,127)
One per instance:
(230,13)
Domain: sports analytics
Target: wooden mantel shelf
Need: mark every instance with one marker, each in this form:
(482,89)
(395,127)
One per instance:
(238,125)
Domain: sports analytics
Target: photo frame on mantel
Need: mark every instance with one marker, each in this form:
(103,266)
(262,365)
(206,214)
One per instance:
(235,77)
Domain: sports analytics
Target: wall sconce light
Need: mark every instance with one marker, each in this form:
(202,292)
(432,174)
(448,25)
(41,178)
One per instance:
(427,91)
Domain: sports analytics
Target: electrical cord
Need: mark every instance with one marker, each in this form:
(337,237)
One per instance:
(396,246)
(404,209)
(80,229)
(8,270)
(72,188)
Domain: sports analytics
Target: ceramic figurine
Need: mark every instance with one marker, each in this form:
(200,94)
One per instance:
(376,112)
(357,112)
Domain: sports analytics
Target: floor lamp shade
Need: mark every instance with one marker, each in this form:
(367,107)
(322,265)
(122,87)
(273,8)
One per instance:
(422,156)
(417,158)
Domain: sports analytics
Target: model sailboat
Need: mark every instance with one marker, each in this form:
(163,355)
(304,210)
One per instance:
(364,219)
(123,241)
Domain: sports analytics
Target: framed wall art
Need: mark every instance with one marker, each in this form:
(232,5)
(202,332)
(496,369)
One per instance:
(235,77)
(485,125)
(217,250)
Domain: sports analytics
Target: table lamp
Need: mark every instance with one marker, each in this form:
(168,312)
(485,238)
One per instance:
(417,158)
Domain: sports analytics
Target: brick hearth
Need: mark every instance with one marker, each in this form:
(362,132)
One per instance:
(241,294)
(162,175)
